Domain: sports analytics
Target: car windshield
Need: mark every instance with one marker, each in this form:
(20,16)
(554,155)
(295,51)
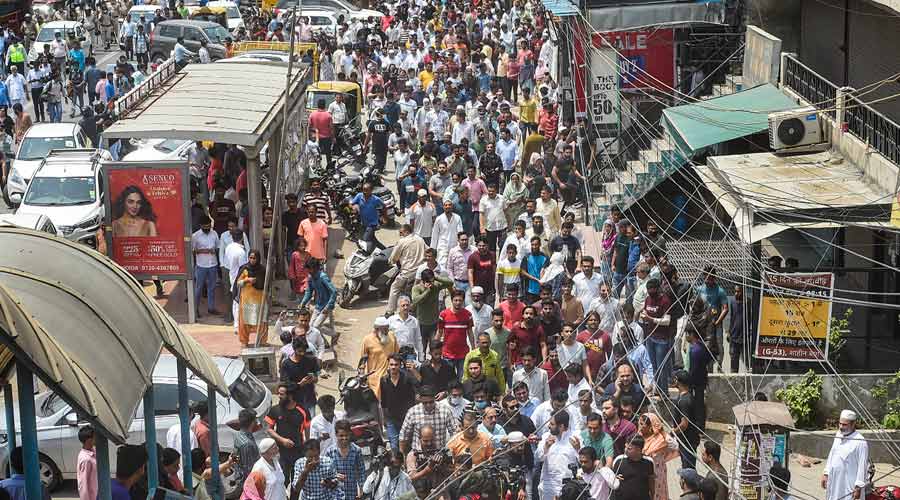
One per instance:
(149,16)
(247,390)
(37,148)
(216,34)
(169,145)
(53,405)
(233,13)
(60,191)
(47,34)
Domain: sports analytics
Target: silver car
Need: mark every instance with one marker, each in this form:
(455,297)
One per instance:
(57,424)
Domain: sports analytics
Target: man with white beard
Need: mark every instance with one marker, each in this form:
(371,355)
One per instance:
(847,466)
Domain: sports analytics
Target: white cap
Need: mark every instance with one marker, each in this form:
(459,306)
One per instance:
(266,445)
(478,290)
(515,437)
(381,321)
(848,415)
(422,192)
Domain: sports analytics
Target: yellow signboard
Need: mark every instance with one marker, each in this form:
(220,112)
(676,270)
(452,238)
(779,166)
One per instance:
(795,316)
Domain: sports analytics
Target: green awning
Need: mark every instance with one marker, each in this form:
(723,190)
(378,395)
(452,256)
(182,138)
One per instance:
(696,126)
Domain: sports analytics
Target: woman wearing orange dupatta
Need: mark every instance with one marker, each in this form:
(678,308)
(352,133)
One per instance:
(254,487)
(660,447)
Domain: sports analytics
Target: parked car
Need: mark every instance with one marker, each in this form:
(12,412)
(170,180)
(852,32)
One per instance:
(68,188)
(337,7)
(263,56)
(160,149)
(322,20)
(166,34)
(37,143)
(68,29)
(58,424)
(37,222)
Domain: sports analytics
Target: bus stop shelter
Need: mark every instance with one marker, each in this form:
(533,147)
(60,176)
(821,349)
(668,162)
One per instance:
(230,103)
(88,331)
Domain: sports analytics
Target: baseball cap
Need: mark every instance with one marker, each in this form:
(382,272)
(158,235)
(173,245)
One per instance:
(690,476)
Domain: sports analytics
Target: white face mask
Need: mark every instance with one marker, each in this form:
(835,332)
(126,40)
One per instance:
(455,400)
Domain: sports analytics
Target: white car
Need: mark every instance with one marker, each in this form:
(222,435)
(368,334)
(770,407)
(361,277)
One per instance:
(68,29)
(36,222)
(68,189)
(161,149)
(259,56)
(58,424)
(322,20)
(232,13)
(336,7)
(37,143)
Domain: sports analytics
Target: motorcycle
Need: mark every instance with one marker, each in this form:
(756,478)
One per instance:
(362,411)
(873,492)
(366,270)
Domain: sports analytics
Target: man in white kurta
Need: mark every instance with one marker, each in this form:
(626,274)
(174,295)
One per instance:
(444,232)
(556,452)
(847,465)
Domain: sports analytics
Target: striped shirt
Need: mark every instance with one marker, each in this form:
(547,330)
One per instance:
(320,202)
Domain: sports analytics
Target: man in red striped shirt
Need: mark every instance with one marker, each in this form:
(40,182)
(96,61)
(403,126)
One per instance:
(454,328)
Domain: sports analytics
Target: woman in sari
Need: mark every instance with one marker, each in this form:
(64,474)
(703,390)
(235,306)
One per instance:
(661,448)
(514,195)
(248,292)
(607,240)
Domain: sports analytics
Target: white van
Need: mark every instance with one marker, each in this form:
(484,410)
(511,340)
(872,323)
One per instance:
(68,188)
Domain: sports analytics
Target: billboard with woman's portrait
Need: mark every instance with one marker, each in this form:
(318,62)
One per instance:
(147,218)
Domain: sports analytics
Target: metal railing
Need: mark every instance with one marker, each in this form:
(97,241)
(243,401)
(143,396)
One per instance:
(873,128)
(134,96)
(811,86)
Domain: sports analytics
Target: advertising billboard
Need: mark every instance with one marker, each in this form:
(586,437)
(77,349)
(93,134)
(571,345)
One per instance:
(648,57)
(148,218)
(795,316)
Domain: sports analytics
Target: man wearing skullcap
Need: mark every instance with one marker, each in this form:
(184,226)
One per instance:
(846,468)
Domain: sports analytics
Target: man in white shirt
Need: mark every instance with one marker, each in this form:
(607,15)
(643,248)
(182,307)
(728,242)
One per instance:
(555,452)
(204,244)
(438,119)
(602,480)
(406,328)
(462,129)
(845,475)
(443,235)
(322,425)
(15,87)
(533,375)
(607,307)
(493,218)
(235,257)
(481,312)
(543,412)
(421,216)
(173,435)
(586,286)
(577,383)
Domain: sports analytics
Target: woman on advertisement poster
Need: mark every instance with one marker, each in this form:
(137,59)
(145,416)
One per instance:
(133,214)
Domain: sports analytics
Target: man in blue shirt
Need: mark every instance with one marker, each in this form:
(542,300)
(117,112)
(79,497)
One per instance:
(508,150)
(319,284)
(15,484)
(717,301)
(369,208)
(698,373)
(182,53)
(131,461)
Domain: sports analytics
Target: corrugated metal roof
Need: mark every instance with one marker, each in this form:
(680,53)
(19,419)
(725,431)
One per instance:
(696,126)
(731,259)
(230,103)
(90,329)
(561,8)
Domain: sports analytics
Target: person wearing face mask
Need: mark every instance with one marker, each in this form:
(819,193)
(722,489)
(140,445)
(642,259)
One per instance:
(390,482)
(204,245)
(470,439)
(455,401)
(846,468)
(377,347)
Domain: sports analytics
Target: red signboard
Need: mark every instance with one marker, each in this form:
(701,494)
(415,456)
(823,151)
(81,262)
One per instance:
(648,57)
(147,224)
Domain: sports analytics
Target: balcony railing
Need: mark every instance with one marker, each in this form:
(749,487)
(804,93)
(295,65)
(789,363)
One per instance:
(878,131)
(811,86)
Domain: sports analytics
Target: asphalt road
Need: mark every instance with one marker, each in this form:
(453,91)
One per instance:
(103,58)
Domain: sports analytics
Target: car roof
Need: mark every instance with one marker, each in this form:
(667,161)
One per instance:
(189,22)
(167,367)
(52,130)
(69,163)
(59,24)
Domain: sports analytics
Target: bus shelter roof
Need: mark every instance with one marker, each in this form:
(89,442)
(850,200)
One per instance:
(86,328)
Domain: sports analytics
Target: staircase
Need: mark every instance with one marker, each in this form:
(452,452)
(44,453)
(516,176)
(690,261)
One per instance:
(653,165)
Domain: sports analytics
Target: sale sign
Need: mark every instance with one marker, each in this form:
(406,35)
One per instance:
(795,316)
(147,218)
(648,57)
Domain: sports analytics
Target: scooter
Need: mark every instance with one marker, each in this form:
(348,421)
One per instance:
(362,411)
(365,271)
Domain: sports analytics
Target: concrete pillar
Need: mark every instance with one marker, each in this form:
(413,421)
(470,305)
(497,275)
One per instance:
(101,451)
(28,427)
(184,418)
(840,113)
(254,198)
(150,438)
(10,418)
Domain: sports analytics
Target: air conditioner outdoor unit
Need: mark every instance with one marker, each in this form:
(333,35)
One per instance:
(797,127)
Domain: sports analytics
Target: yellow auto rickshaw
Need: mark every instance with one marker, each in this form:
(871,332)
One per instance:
(218,15)
(327,90)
